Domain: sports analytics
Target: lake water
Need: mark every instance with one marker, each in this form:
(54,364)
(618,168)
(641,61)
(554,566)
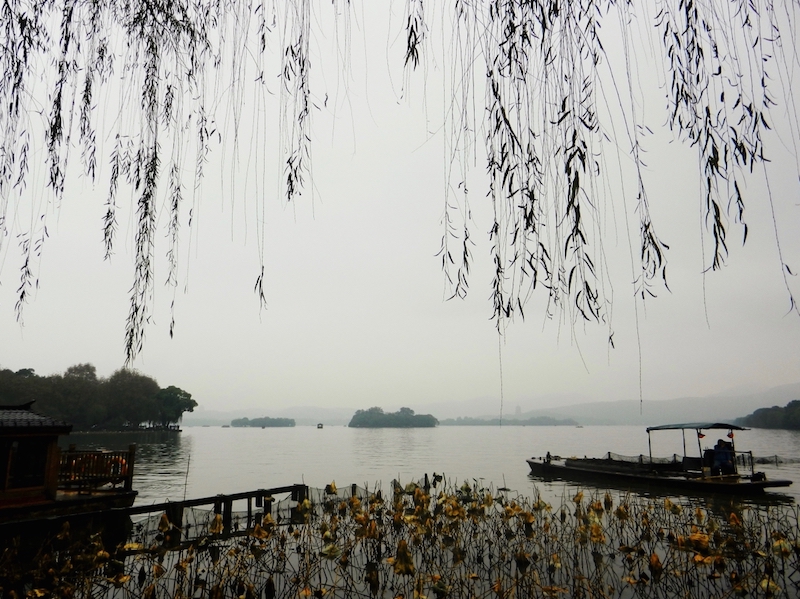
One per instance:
(205,461)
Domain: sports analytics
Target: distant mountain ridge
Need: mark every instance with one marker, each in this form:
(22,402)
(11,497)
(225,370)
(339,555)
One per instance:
(721,406)
(686,409)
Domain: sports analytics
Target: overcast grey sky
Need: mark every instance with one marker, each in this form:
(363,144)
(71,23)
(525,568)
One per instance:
(356,303)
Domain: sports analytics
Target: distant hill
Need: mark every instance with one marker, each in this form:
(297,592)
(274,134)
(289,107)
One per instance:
(263,422)
(535,421)
(720,408)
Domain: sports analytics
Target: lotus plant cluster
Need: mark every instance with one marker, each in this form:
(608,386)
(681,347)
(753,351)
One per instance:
(437,541)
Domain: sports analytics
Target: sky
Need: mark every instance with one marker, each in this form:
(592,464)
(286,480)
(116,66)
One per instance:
(357,312)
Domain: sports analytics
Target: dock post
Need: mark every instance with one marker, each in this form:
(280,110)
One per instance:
(129,466)
(227,515)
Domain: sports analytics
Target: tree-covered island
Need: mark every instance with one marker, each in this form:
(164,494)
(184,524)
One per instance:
(263,422)
(404,418)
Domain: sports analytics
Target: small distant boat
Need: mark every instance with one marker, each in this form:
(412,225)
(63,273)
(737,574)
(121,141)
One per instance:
(713,471)
(319,425)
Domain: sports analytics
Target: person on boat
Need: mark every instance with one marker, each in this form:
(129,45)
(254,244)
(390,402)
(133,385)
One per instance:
(723,459)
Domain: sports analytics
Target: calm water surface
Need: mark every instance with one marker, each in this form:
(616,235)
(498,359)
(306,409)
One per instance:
(204,461)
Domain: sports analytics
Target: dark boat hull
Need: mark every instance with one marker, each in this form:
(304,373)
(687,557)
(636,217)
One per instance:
(627,476)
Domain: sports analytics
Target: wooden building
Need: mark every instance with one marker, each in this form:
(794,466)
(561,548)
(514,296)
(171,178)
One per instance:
(38,480)
(29,455)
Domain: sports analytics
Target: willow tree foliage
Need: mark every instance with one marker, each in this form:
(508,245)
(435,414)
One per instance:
(535,84)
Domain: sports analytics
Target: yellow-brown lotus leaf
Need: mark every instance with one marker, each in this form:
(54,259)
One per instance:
(455,511)
(540,505)
(259,533)
(699,515)
(702,560)
(458,555)
(371,578)
(216,527)
(578,497)
(596,534)
(699,540)
(782,548)
(119,580)
(476,512)
(330,551)
(404,562)
(734,520)
(158,570)
(768,586)
(163,524)
(655,565)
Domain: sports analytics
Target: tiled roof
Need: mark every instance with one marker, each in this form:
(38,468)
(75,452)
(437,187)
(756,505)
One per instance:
(20,418)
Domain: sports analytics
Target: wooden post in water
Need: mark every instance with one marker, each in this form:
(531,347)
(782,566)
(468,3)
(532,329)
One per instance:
(227,515)
(129,466)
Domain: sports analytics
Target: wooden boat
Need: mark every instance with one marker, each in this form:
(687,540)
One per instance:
(721,469)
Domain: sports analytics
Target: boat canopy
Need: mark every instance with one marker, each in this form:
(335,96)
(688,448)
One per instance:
(697,426)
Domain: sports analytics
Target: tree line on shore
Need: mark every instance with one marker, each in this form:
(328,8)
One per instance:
(125,400)
(787,417)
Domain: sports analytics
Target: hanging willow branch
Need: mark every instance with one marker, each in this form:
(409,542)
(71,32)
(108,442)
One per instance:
(173,64)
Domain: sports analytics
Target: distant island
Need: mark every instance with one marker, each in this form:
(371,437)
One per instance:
(404,418)
(534,421)
(263,422)
(775,417)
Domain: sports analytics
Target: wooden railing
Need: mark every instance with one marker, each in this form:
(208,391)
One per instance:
(87,471)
